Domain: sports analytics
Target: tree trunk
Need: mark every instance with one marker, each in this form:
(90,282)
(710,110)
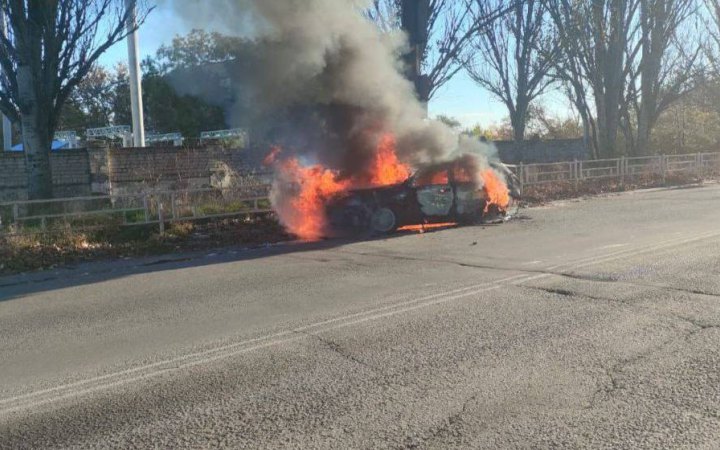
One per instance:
(643,133)
(37,158)
(608,122)
(36,137)
(519,131)
(602,139)
(518,119)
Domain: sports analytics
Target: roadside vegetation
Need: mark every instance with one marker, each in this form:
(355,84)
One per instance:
(61,247)
(540,194)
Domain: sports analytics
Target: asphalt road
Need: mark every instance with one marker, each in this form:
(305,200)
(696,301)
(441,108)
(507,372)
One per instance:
(583,324)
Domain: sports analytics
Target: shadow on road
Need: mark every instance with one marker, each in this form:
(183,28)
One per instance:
(14,287)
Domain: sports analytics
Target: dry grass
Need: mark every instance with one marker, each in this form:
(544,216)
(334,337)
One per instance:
(543,193)
(45,251)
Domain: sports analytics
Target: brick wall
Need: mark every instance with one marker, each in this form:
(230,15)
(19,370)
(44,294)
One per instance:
(101,170)
(71,174)
(134,169)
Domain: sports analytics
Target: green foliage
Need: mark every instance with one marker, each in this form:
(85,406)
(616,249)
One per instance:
(92,103)
(103,98)
(166,111)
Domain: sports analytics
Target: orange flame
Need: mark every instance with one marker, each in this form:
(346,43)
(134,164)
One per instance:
(421,228)
(497,192)
(386,168)
(301,193)
(303,212)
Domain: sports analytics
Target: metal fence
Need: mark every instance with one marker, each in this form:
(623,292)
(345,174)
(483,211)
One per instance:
(160,207)
(621,169)
(155,207)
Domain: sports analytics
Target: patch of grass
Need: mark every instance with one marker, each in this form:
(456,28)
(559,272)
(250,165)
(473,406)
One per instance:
(225,208)
(135,216)
(209,210)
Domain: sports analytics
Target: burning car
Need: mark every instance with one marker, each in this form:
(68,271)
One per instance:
(448,192)
(382,193)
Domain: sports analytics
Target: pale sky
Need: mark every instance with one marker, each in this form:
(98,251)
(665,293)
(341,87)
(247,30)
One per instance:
(460,98)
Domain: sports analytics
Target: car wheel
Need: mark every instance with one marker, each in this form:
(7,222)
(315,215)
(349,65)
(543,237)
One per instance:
(383,220)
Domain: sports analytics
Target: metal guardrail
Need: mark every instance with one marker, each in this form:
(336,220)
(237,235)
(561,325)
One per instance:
(618,168)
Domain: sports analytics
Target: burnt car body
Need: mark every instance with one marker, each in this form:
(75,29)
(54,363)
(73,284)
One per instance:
(428,196)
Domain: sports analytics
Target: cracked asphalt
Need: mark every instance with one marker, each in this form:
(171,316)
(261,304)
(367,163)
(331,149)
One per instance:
(582,324)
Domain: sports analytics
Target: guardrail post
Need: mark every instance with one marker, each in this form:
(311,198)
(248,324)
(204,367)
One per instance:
(579,170)
(698,166)
(663,167)
(575,173)
(521,175)
(16,214)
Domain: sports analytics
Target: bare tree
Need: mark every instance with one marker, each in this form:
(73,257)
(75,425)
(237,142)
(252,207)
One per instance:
(711,45)
(593,36)
(51,45)
(512,56)
(385,14)
(663,65)
(438,33)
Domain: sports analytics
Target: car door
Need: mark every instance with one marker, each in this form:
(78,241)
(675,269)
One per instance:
(435,194)
(468,199)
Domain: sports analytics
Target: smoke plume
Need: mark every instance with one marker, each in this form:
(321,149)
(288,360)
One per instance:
(325,79)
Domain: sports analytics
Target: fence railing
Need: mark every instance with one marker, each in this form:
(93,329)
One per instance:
(161,207)
(700,164)
(152,207)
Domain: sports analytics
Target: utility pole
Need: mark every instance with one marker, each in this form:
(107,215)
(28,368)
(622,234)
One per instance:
(138,123)
(6,124)
(414,21)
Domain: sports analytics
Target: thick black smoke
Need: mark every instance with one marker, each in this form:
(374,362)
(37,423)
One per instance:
(320,79)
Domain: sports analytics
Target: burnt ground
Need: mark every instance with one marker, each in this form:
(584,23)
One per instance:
(590,324)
